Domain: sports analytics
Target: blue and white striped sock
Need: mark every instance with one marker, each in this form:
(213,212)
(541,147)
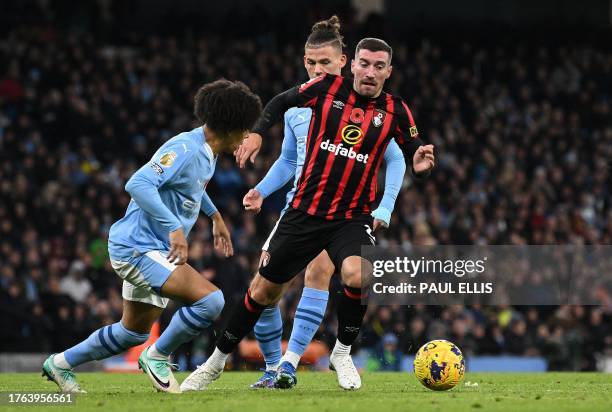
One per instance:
(103,343)
(268,332)
(190,321)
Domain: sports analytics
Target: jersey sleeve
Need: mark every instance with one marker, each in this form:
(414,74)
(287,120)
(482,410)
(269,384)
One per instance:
(407,136)
(163,168)
(207,206)
(284,167)
(406,130)
(169,160)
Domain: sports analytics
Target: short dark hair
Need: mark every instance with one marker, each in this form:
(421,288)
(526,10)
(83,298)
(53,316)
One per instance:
(227,106)
(374,44)
(326,33)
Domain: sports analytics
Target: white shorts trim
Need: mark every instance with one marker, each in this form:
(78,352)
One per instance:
(267,244)
(158,257)
(135,294)
(136,287)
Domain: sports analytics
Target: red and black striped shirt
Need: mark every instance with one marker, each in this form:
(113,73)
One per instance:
(346,142)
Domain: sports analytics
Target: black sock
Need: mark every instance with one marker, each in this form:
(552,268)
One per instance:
(244,317)
(350,315)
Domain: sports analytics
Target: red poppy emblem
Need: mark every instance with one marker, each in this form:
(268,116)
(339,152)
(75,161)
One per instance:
(357,115)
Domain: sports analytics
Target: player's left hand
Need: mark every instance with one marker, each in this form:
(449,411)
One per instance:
(252,201)
(423,159)
(379,223)
(221,236)
(382,217)
(248,150)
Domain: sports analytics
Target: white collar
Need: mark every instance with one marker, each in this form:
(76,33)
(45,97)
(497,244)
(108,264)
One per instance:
(209,151)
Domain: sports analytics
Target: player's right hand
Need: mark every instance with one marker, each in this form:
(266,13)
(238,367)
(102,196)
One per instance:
(179,251)
(248,150)
(252,201)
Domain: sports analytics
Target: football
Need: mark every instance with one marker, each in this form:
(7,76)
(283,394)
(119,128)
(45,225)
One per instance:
(439,365)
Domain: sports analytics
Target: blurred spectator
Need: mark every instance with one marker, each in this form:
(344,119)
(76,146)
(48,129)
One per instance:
(386,356)
(516,341)
(75,284)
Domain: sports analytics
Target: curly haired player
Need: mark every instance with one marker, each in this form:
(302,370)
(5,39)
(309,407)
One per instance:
(148,247)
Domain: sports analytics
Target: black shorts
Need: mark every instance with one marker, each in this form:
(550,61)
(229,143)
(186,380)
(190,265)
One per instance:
(299,237)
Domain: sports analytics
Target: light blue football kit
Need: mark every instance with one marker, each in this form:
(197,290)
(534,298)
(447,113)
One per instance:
(167,194)
(312,305)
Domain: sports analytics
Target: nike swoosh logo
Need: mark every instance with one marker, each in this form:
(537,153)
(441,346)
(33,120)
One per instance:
(162,384)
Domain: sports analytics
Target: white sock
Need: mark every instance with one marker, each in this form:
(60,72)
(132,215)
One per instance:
(217,360)
(272,367)
(341,349)
(291,357)
(155,354)
(60,361)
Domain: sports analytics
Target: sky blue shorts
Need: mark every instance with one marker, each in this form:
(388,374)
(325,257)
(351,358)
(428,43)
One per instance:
(143,276)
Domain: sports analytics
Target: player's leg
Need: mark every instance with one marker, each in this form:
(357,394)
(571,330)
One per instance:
(132,330)
(145,305)
(293,245)
(139,316)
(244,315)
(203,304)
(345,250)
(268,332)
(308,316)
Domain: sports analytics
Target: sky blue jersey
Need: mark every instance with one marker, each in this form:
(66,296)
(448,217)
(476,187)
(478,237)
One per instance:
(293,153)
(167,193)
(297,123)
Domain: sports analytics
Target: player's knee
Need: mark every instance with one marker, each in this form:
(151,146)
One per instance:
(263,292)
(352,272)
(211,305)
(217,303)
(262,296)
(318,275)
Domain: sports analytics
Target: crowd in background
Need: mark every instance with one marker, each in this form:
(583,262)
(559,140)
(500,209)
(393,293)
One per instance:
(523,135)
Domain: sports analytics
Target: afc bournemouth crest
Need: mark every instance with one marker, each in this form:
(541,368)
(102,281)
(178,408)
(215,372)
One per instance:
(379,117)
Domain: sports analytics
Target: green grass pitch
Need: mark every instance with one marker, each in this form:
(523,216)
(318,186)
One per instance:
(318,391)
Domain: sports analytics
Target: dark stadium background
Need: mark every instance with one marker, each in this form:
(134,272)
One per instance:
(516,96)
